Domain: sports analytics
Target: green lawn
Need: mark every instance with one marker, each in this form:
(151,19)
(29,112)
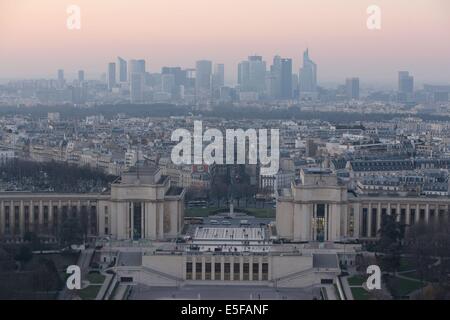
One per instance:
(89,293)
(96,278)
(201,212)
(262,212)
(257,212)
(406,264)
(359,293)
(403,287)
(356,280)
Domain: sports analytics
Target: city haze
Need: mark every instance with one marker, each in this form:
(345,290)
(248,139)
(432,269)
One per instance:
(413,36)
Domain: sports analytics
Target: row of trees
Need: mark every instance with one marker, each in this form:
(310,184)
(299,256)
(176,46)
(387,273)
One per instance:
(227,111)
(21,276)
(425,247)
(423,242)
(61,177)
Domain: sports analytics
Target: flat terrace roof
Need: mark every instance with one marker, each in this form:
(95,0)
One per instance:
(230,239)
(230,234)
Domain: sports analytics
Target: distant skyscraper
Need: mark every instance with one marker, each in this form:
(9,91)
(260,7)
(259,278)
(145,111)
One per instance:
(294,86)
(136,87)
(219,75)
(243,74)
(203,77)
(61,80)
(274,79)
(136,66)
(308,75)
(286,79)
(281,78)
(352,88)
(136,76)
(122,69)
(168,83)
(80,76)
(252,75)
(257,74)
(405,82)
(179,74)
(190,80)
(111,75)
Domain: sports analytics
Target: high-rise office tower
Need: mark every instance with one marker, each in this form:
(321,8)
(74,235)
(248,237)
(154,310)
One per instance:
(136,66)
(352,88)
(294,86)
(219,75)
(252,75)
(308,75)
(80,76)
(111,77)
(122,69)
(61,80)
(281,78)
(243,74)
(405,82)
(136,87)
(168,83)
(136,76)
(286,79)
(203,78)
(257,74)
(274,79)
(190,80)
(179,74)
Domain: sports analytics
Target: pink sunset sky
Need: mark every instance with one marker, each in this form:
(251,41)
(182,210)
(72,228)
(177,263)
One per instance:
(414,36)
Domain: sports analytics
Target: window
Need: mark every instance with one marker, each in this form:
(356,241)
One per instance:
(265,271)
(93,217)
(402,216)
(432,215)
(55,219)
(208,271)
(412,216)
(16,219)
(27,218)
(217,271)
(441,215)
(45,218)
(236,271)
(255,270)
(364,222)
(74,211)
(188,270)
(373,225)
(198,268)
(126,279)
(106,225)
(226,270)
(64,213)
(7,221)
(246,270)
(351,222)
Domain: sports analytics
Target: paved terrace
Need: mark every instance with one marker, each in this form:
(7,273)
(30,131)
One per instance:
(230,234)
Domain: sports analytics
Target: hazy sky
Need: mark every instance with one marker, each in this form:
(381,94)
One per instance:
(414,35)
